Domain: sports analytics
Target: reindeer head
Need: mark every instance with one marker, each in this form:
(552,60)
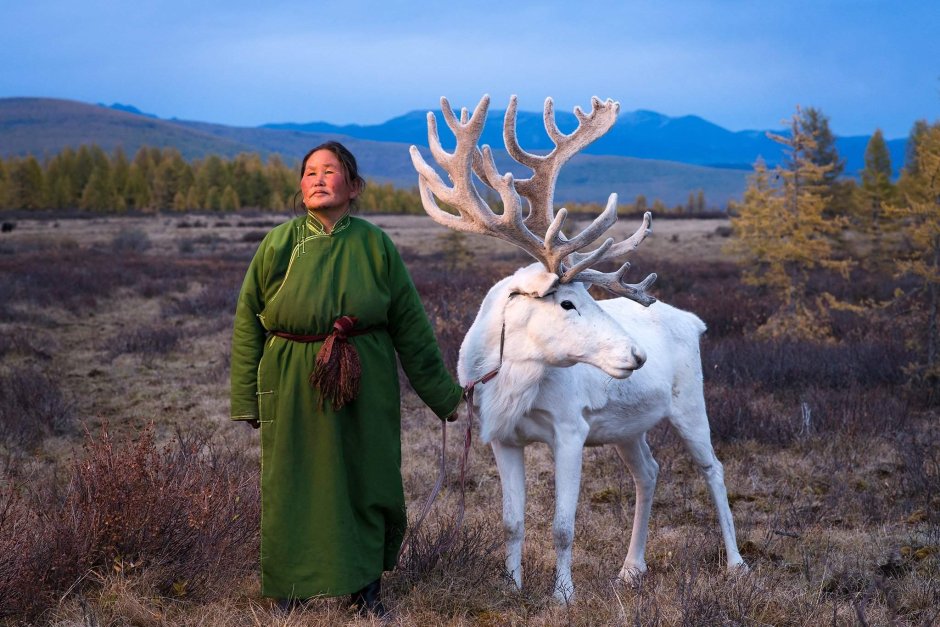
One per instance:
(539,233)
(560,324)
(544,311)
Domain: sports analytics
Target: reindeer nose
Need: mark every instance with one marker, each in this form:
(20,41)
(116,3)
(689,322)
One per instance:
(639,356)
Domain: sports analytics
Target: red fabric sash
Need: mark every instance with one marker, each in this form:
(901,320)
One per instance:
(337,371)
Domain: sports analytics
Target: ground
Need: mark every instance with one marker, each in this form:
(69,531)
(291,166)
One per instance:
(127,319)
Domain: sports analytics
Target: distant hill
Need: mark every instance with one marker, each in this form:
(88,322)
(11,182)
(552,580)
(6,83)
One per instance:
(645,153)
(117,106)
(44,126)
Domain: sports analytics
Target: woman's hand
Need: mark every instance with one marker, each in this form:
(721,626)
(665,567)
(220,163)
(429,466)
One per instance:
(454,416)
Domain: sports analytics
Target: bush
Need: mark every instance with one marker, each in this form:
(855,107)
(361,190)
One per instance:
(130,240)
(189,512)
(146,341)
(215,299)
(32,407)
(455,571)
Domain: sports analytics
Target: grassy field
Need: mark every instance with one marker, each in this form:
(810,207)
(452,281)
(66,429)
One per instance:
(128,497)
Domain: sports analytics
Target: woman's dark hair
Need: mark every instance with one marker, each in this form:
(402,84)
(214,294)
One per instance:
(350,168)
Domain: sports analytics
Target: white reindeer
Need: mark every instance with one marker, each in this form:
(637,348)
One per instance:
(570,371)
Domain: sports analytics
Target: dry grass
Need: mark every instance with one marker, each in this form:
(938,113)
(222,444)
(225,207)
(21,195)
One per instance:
(118,323)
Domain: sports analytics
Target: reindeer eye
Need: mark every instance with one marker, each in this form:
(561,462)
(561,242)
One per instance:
(567,304)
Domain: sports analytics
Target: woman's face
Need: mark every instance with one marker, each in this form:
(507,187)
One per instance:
(323,184)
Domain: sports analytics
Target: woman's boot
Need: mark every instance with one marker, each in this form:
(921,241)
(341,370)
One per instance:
(369,599)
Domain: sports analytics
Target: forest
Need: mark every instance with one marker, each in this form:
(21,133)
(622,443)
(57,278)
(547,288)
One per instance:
(159,179)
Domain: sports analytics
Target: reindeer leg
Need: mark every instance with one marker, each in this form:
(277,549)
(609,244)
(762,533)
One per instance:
(568,450)
(510,460)
(694,430)
(638,458)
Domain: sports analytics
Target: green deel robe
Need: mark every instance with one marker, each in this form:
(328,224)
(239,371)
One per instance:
(332,502)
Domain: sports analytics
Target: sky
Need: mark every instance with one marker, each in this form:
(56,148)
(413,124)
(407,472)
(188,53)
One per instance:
(741,64)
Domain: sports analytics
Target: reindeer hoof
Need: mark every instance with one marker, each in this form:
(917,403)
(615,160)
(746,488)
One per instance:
(632,576)
(564,595)
(739,569)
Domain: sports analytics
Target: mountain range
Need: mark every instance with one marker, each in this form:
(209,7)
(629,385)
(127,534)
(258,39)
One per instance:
(644,153)
(641,134)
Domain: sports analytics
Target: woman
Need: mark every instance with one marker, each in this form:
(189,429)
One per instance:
(333,511)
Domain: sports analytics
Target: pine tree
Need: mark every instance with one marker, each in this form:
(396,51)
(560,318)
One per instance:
(283,180)
(249,182)
(918,217)
(3,184)
(25,186)
(911,168)
(179,202)
(99,193)
(782,232)
(276,202)
(136,192)
(814,123)
(193,198)
(61,191)
(120,171)
(171,175)
(81,171)
(640,204)
(214,199)
(229,200)
(143,159)
(877,188)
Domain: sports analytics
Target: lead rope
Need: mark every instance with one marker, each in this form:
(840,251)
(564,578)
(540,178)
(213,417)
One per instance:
(468,439)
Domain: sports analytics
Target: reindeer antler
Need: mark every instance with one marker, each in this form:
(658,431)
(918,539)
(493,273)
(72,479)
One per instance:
(556,252)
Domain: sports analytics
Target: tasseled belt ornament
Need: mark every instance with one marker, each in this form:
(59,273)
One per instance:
(336,372)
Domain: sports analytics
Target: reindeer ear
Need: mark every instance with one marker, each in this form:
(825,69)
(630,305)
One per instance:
(546,285)
(533,280)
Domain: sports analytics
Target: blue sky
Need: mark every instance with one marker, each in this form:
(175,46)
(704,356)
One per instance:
(866,63)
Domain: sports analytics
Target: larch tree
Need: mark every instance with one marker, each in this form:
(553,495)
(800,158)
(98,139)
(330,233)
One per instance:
(229,200)
(814,123)
(61,192)
(99,193)
(910,150)
(825,153)
(3,183)
(136,192)
(917,215)
(25,184)
(783,232)
(877,188)
(120,170)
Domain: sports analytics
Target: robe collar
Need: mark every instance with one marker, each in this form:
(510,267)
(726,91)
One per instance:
(317,229)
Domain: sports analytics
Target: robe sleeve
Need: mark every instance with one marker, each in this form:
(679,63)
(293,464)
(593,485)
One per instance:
(248,339)
(414,340)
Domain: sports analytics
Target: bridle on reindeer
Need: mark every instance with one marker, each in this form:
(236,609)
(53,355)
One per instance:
(559,254)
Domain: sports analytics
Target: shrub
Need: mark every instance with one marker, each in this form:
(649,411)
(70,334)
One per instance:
(146,341)
(130,240)
(215,299)
(32,406)
(188,512)
(453,570)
